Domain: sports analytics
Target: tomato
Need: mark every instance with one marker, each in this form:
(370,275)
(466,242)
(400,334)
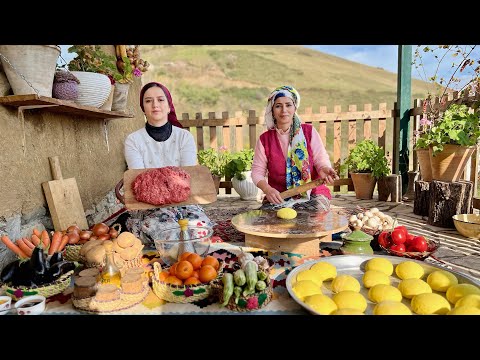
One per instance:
(419,243)
(409,240)
(398,236)
(384,239)
(403,229)
(398,247)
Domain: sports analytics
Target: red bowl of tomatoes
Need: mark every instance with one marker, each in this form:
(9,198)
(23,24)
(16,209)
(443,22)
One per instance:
(399,242)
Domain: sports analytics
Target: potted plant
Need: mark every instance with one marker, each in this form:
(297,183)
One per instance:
(239,170)
(216,161)
(366,163)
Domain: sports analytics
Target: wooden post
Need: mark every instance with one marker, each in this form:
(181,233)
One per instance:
(421,202)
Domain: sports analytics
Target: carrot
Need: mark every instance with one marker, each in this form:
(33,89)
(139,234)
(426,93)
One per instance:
(35,240)
(21,244)
(56,240)
(63,243)
(36,232)
(28,242)
(9,244)
(45,239)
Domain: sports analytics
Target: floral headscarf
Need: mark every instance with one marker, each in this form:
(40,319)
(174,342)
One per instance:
(297,163)
(172,115)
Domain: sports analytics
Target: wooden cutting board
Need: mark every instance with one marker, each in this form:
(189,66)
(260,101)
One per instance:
(63,199)
(202,188)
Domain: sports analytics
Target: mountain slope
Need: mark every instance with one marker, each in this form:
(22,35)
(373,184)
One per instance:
(204,78)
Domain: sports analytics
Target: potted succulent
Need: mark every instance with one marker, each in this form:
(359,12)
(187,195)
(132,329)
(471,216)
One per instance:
(366,163)
(216,161)
(239,170)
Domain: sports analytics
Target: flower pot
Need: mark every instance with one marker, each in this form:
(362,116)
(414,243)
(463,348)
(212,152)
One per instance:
(364,184)
(449,164)
(423,156)
(216,181)
(94,88)
(120,97)
(107,105)
(245,188)
(390,188)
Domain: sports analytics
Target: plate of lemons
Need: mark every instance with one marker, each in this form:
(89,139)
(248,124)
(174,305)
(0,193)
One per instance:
(382,285)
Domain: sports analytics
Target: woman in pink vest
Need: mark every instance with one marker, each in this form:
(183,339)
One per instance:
(290,154)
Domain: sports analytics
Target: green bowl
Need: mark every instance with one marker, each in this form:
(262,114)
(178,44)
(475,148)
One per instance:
(468,225)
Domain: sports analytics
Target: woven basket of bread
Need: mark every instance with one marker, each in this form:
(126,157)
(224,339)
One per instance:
(181,293)
(56,287)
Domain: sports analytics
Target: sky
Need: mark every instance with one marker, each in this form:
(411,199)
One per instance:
(382,56)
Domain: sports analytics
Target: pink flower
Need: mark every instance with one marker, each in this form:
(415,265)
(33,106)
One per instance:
(424,121)
(188,292)
(252,303)
(18,293)
(137,72)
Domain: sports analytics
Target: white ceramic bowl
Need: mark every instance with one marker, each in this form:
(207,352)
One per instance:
(31,305)
(5,304)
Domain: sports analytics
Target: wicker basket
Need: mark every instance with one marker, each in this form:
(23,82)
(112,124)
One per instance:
(135,263)
(433,245)
(57,287)
(181,293)
(251,302)
(72,252)
(126,301)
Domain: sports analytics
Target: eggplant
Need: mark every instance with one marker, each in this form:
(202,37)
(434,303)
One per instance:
(38,261)
(24,275)
(56,257)
(9,270)
(58,269)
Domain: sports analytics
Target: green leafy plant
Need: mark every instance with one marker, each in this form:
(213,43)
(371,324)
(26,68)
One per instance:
(367,157)
(215,160)
(93,59)
(242,161)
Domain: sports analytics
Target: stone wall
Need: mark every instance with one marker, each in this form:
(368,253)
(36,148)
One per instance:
(81,144)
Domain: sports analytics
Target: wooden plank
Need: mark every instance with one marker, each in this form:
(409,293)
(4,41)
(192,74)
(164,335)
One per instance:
(322,128)
(202,188)
(382,127)
(352,136)
(252,129)
(238,133)
(337,150)
(34,101)
(367,123)
(213,137)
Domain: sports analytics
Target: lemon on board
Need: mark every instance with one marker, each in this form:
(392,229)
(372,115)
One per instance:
(441,280)
(345,282)
(321,304)
(428,304)
(351,300)
(380,264)
(472,300)
(455,292)
(382,292)
(411,287)
(310,275)
(464,310)
(326,270)
(391,308)
(306,288)
(374,277)
(348,311)
(287,213)
(409,270)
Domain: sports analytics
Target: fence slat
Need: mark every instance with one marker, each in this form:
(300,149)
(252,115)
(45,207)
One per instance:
(252,129)
(322,128)
(367,123)
(382,127)
(337,145)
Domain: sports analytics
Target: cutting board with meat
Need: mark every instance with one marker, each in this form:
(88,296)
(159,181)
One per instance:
(202,188)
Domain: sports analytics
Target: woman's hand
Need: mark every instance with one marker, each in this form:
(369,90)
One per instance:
(273,195)
(328,174)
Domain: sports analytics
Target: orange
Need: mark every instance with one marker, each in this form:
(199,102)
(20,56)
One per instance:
(207,273)
(163,275)
(184,256)
(173,268)
(173,280)
(192,281)
(195,274)
(183,270)
(195,260)
(210,260)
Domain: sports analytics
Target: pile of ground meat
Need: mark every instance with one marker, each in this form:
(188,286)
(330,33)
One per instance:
(162,186)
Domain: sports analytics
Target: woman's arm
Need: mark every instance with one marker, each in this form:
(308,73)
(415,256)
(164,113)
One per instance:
(188,150)
(133,156)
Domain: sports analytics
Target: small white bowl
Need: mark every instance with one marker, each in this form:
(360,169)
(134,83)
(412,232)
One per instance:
(31,305)
(5,303)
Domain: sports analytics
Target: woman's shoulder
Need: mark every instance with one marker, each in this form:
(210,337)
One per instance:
(181,132)
(138,133)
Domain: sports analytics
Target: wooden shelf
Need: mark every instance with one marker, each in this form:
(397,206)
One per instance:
(33,101)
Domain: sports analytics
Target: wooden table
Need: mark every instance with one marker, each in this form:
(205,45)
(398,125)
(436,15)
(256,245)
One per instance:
(302,235)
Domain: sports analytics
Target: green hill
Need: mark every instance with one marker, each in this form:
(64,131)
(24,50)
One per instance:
(239,77)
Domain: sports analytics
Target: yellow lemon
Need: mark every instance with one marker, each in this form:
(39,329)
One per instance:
(309,275)
(380,264)
(345,282)
(428,304)
(455,292)
(464,310)
(326,270)
(472,300)
(391,308)
(348,311)
(382,292)
(287,213)
(374,277)
(306,288)
(351,300)
(409,270)
(411,287)
(321,304)
(441,280)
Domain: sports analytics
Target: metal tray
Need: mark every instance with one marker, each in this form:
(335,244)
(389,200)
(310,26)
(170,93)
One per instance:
(354,265)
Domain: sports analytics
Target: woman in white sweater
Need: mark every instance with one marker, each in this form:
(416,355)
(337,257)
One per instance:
(162,142)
